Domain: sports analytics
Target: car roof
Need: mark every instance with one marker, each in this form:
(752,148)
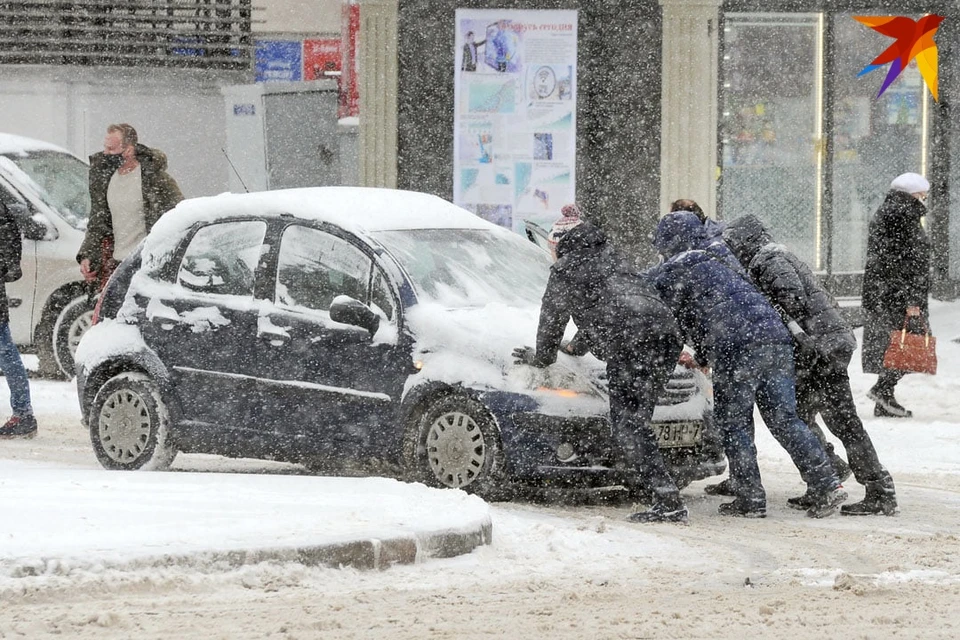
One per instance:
(359,209)
(10,143)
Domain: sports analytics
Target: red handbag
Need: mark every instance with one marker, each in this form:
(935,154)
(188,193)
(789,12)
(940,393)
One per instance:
(911,351)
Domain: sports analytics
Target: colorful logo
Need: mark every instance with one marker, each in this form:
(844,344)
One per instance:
(914,40)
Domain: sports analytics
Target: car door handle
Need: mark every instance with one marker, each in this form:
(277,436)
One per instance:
(13,303)
(274,339)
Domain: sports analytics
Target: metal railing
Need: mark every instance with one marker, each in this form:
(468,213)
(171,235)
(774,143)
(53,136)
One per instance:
(203,34)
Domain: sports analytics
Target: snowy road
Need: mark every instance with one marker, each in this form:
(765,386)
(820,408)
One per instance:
(570,572)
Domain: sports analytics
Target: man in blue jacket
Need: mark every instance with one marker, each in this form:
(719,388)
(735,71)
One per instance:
(733,328)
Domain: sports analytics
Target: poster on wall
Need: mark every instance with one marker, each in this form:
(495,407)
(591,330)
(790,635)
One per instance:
(515,118)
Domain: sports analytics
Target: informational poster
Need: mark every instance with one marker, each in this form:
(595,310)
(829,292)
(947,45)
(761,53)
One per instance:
(320,57)
(515,122)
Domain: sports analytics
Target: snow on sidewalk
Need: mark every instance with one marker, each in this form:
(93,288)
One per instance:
(57,520)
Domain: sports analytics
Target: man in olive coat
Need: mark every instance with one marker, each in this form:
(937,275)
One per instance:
(129,190)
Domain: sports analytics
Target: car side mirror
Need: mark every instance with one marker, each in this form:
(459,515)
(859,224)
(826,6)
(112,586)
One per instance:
(32,227)
(347,310)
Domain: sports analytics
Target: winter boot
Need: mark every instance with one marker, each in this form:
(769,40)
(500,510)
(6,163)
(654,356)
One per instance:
(802,503)
(741,508)
(661,511)
(723,488)
(840,466)
(19,427)
(825,504)
(887,406)
(879,498)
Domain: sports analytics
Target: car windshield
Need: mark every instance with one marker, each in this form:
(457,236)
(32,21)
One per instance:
(470,267)
(59,179)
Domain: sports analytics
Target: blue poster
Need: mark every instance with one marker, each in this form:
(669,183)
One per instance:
(279,60)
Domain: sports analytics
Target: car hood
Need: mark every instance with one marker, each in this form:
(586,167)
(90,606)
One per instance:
(473,347)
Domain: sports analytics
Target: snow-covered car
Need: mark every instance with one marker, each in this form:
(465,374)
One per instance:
(338,326)
(47,188)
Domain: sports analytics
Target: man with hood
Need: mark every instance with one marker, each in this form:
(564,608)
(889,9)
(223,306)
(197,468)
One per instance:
(129,190)
(620,320)
(823,347)
(896,282)
(734,329)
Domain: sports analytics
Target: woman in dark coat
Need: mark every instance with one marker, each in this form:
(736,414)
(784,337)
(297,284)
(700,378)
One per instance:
(896,282)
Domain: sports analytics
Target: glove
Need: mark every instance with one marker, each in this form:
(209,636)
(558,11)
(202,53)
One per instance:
(525,355)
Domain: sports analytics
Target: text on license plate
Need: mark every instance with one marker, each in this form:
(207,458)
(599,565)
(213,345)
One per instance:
(678,434)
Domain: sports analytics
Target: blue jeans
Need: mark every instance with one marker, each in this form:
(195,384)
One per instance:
(765,376)
(16,375)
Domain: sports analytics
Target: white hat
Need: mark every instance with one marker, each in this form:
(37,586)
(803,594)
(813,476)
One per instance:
(570,217)
(910,183)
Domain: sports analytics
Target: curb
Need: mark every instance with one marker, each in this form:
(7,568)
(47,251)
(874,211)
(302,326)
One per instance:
(365,554)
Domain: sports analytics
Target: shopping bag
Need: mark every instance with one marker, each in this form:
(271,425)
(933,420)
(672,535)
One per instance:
(911,351)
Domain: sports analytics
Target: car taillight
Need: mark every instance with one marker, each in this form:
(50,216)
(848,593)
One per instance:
(96,310)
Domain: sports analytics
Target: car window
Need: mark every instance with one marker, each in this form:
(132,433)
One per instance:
(380,297)
(315,267)
(58,179)
(222,258)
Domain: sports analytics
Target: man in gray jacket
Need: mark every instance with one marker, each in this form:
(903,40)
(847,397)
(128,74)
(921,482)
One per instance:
(823,345)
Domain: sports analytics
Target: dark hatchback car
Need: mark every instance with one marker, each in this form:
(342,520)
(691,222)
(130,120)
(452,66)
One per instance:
(347,326)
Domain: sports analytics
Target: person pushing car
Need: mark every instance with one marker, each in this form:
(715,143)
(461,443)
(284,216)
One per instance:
(621,320)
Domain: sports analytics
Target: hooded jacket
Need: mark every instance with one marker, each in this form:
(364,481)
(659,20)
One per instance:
(789,284)
(160,194)
(614,309)
(720,312)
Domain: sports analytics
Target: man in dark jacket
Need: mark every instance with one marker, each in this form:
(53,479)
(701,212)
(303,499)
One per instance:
(733,328)
(129,190)
(896,282)
(823,347)
(22,423)
(620,320)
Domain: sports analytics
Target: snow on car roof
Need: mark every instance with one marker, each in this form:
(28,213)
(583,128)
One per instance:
(360,210)
(10,143)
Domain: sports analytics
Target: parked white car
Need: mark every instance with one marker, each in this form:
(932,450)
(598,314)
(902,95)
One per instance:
(50,306)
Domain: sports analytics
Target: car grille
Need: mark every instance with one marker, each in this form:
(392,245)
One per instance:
(681,387)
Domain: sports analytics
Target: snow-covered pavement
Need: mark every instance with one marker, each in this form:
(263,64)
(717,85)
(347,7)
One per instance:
(552,571)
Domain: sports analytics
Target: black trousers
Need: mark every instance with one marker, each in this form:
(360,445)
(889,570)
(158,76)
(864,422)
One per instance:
(637,373)
(824,387)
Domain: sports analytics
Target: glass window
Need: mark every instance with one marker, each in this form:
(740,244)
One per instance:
(315,267)
(58,179)
(222,258)
(380,296)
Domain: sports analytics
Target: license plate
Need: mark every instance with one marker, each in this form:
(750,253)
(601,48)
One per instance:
(678,434)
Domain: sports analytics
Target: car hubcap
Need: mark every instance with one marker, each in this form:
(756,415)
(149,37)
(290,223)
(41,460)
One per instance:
(455,449)
(124,425)
(77,328)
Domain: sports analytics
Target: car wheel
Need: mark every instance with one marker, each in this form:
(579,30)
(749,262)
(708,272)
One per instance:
(70,323)
(455,445)
(130,424)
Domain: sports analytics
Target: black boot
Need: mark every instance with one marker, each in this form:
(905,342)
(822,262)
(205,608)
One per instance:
(19,427)
(826,503)
(840,465)
(887,406)
(741,508)
(802,503)
(661,511)
(880,498)
(723,488)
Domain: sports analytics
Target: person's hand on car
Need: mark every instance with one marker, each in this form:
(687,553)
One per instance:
(88,275)
(525,355)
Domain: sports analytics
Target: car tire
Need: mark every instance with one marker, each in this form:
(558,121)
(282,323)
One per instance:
(60,339)
(455,444)
(130,424)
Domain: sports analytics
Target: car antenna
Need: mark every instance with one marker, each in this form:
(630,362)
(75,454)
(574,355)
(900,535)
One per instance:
(242,183)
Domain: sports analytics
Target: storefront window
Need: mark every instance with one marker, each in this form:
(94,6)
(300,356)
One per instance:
(875,139)
(769,124)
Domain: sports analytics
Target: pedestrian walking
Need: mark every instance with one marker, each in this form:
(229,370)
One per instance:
(823,347)
(129,190)
(896,282)
(22,424)
(733,328)
(621,320)
(714,228)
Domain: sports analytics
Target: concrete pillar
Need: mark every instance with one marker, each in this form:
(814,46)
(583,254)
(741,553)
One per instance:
(688,140)
(378,93)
